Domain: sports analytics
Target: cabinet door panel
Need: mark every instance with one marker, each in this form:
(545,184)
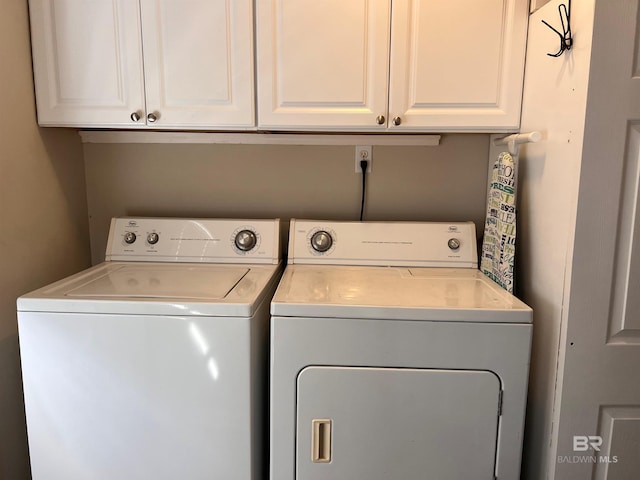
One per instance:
(457,65)
(322,64)
(199,62)
(87,62)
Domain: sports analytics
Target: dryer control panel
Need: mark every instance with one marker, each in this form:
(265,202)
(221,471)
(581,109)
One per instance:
(426,244)
(194,240)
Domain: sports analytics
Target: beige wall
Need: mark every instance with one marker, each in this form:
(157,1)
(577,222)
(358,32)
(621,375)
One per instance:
(446,182)
(42,218)
(536,4)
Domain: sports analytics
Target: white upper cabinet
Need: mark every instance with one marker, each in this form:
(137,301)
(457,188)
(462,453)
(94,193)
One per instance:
(87,61)
(334,65)
(196,71)
(198,62)
(457,65)
(322,63)
(377,65)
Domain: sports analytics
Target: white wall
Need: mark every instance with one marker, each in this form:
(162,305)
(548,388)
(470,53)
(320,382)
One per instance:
(44,232)
(554,102)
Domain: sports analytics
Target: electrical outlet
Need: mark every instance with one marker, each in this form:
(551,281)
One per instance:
(363,153)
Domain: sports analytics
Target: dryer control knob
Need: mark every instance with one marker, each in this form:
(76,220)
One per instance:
(245,240)
(153,238)
(321,241)
(453,243)
(129,237)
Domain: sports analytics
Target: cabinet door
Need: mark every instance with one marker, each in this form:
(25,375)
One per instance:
(322,64)
(198,58)
(87,62)
(457,65)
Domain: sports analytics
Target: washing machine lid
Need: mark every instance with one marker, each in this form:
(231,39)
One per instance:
(157,289)
(387,293)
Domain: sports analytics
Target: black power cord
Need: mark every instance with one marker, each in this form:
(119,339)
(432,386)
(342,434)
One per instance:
(363,166)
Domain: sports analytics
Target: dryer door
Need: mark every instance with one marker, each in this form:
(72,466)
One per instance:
(383,423)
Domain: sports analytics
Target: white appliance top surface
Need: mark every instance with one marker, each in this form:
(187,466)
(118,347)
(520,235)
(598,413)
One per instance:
(403,293)
(157,289)
(193,282)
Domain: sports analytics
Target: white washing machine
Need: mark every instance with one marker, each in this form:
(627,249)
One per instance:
(394,357)
(152,365)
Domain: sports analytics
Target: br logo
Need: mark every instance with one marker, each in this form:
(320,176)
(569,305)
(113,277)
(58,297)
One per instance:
(582,443)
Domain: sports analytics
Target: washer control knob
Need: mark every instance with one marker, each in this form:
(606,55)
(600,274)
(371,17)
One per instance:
(153,238)
(129,237)
(321,241)
(453,243)
(245,240)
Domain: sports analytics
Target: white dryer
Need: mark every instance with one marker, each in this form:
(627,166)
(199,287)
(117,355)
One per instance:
(394,357)
(151,365)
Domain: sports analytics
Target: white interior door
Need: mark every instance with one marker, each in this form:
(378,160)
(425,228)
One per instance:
(382,423)
(198,63)
(322,64)
(87,61)
(599,398)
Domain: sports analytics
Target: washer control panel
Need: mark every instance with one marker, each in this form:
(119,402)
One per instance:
(194,240)
(384,243)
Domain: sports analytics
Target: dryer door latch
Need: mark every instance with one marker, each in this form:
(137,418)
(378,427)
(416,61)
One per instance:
(321,440)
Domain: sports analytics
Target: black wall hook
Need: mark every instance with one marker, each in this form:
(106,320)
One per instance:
(566,40)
